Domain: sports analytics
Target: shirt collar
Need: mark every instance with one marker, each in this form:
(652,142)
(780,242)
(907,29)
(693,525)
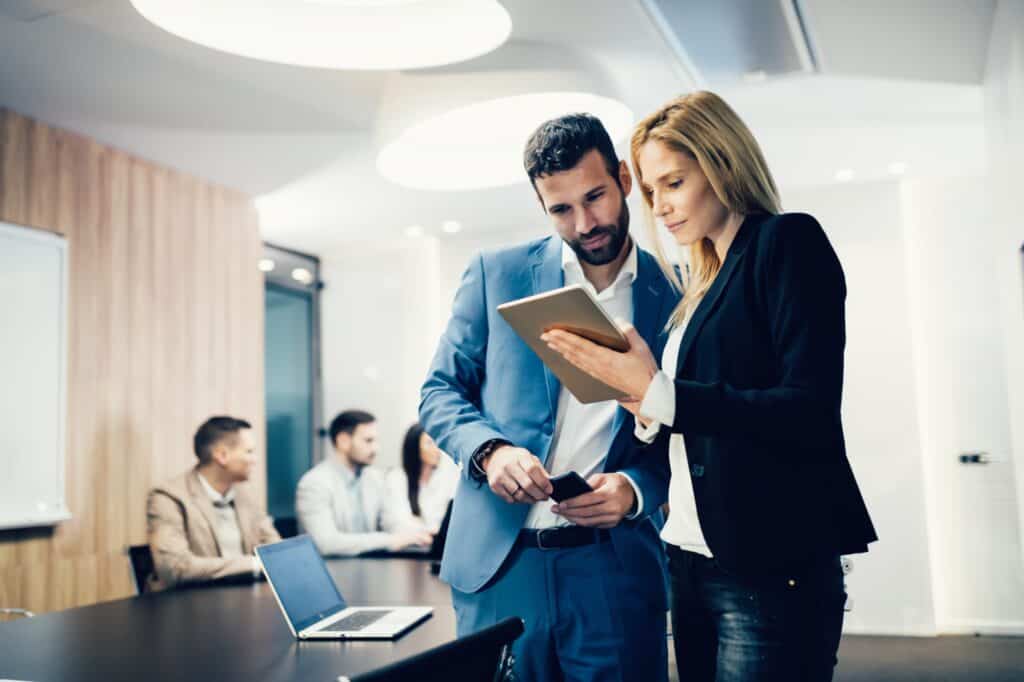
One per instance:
(571,266)
(215,497)
(349,476)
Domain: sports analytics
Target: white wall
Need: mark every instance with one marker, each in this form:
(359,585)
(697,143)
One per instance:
(380,323)
(880,407)
(961,371)
(928,377)
(1004,107)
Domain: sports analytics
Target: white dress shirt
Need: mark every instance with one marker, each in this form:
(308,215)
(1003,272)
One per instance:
(345,513)
(434,496)
(659,405)
(225,522)
(583,433)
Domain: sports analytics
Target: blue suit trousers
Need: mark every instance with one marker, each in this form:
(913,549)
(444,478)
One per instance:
(586,618)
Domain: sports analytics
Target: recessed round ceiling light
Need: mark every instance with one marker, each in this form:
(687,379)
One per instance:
(266,265)
(414,231)
(897,168)
(302,275)
(464,127)
(450,226)
(844,175)
(339,34)
(481,145)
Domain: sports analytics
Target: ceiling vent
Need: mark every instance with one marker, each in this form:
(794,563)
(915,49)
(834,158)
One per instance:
(729,41)
(34,10)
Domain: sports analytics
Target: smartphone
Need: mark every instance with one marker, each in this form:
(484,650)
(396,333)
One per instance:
(568,485)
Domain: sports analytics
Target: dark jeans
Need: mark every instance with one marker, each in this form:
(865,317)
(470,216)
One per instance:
(727,629)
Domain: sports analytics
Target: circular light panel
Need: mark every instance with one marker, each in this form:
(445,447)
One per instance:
(481,145)
(340,34)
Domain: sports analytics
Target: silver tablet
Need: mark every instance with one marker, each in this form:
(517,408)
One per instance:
(575,310)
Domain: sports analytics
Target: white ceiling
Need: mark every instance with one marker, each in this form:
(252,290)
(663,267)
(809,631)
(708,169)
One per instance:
(936,40)
(302,140)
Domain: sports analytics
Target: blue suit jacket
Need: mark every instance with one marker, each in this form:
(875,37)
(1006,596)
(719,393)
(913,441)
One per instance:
(486,383)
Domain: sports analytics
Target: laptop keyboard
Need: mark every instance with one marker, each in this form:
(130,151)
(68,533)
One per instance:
(358,621)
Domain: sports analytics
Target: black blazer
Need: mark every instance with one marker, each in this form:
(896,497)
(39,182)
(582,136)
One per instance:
(758,392)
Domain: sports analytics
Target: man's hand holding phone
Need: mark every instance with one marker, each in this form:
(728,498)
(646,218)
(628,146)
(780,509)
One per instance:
(517,476)
(610,501)
(568,485)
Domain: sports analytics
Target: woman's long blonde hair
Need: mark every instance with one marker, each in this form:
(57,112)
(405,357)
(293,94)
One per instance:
(704,127)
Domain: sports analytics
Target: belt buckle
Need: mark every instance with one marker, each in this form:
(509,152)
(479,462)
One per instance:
(540,538)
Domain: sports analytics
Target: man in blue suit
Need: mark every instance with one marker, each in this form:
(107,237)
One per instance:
(588,580)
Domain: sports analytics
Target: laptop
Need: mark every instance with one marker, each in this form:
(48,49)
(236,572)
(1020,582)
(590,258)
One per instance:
(314,607)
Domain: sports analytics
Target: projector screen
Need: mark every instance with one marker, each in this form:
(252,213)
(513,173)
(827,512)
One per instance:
(33,368)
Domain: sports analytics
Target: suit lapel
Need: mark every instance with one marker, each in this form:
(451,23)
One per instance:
(244,514)
(707,305)
(548,275)
(648,294)
(647,301)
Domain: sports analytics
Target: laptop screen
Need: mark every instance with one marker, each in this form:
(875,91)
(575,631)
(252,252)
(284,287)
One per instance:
(299,576)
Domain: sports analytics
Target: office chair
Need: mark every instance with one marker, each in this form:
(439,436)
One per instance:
(142,565)
(483,656)
(286,527)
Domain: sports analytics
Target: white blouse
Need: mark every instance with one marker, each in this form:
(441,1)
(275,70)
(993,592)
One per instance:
(659,405)
(434,495)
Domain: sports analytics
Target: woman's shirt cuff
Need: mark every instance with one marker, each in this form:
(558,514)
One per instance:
(659,404)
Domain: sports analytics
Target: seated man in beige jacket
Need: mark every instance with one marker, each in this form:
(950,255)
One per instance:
(202,525)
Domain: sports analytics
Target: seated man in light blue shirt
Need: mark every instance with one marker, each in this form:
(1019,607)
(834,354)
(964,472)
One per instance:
(343,502)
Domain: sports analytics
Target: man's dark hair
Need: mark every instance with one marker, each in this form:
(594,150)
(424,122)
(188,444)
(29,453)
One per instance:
(559,144)
(212,432)
(347,421)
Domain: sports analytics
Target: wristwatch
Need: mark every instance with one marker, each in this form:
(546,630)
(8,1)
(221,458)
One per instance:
(476,462)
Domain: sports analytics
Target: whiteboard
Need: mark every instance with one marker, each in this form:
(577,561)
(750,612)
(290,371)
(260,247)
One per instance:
(33,376)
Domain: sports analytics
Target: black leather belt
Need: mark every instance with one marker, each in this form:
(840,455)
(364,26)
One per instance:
(561,538)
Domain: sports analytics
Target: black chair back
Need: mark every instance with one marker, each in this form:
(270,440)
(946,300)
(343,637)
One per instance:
(481,657)
(142,565)
(286,527)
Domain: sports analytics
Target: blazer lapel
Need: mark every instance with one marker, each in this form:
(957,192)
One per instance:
(548,275)
(245,512)
(707,305)
(647,300)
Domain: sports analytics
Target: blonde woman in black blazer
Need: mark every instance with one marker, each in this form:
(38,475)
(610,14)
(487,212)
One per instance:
(746,408)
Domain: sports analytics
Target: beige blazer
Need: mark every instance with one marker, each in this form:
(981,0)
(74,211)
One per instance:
(179,521)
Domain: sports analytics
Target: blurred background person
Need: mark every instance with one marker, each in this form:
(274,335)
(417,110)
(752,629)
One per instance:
(343,503)
(424,485)
(201,524)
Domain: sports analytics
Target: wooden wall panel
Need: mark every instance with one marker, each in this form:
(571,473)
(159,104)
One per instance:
(165,329)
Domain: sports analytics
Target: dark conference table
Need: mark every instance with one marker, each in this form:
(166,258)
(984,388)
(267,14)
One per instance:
(222,633)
